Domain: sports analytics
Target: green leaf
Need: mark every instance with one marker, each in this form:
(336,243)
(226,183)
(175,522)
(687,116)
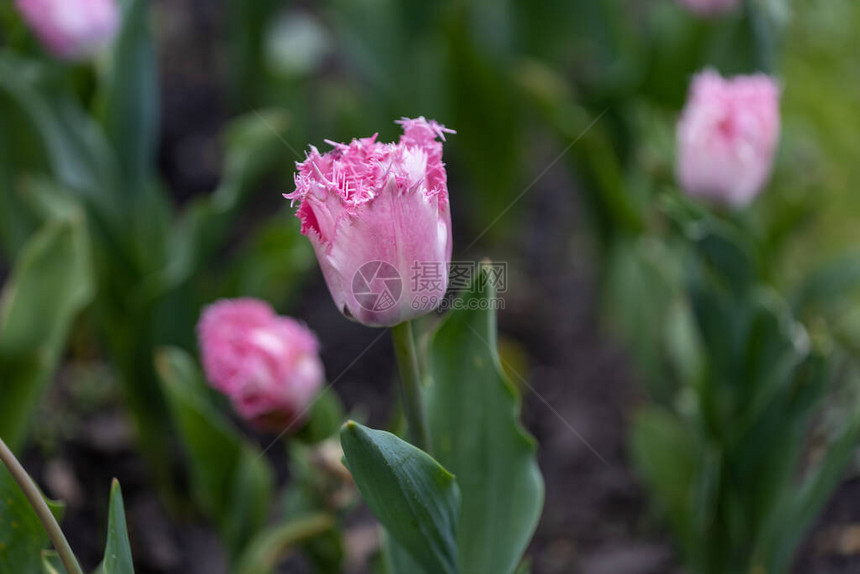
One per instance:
(473,412)
(665,455)
(831,289)
(273,264)
(50,284)
(611,208)
(726,247)
(117,559)
(22,536)
(72,146)
(273,545)
(637,269)
(246,24)
(804,499)
(396,560)
(483,104)
(230,479)
(254,145)
(131,97)
(324,419)
(51,563)
(411,494)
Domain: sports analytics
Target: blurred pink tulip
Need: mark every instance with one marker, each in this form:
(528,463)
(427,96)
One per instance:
(72,29)
(709,7)
(727,137)
(378,218)
(268,365)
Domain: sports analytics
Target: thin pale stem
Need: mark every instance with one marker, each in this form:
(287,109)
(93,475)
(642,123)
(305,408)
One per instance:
(410,385)
(61,545)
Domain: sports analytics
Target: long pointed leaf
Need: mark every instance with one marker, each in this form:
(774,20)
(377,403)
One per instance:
(51,283)
(117,558)
(411,494)
(473,413)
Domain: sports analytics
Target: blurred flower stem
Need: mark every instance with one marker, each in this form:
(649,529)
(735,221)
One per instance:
(31,491)
(403,337)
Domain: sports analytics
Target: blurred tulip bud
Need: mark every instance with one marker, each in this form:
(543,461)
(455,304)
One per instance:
(72,29)
(709,7)
(727,137)
(378,218)
(267,365)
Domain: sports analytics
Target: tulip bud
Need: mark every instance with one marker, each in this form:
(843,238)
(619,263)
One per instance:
(266,364)
(72,29)
(727,137)
(377,216)
(706,8)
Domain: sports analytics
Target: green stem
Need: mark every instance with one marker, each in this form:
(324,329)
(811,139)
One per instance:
(61,545)
(410,384)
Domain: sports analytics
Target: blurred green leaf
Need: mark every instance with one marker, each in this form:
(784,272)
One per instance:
(230,479)
(325,418)
(22,536)
(832,285)
(19,154)
(73,146)
(131,98)
(273,545)
(489,130)
(273,264)
(473,412)
(612,209)
(247,23)
(817,157)
(50,284)
(805,498)
(395,559)
(254,146)
(51,563)
(411,494)
(642,268)
(117,558)
(377,36)
(665,454)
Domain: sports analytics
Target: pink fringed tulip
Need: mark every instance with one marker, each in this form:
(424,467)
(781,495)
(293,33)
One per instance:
(727,137)
(377,216)
(266,364)
(72,29)
(708,8)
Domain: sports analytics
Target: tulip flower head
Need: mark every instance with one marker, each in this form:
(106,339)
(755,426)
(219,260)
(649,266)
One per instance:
(727,137)
(708,8)
(268,365)
(378,218)
(72,29)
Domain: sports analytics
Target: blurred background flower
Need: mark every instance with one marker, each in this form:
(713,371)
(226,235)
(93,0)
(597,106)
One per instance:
(268,365)
(727,137)
(72,30)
